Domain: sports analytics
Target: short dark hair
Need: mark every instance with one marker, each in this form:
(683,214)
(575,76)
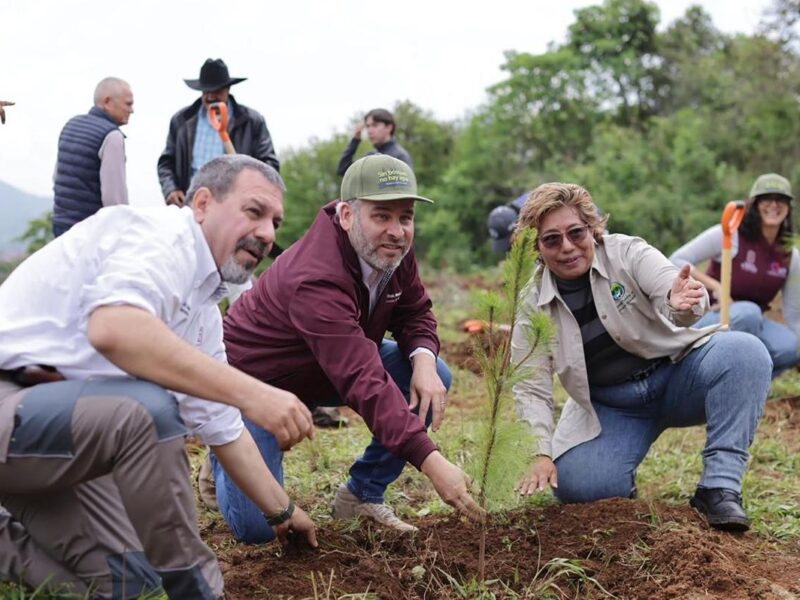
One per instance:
(381,115)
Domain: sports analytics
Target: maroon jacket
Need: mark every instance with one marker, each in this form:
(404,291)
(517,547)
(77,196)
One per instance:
(759,271)
(305,328)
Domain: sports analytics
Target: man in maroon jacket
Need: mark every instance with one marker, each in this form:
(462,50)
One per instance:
(314,325)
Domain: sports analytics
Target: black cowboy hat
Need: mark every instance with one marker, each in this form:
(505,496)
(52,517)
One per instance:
(213,76)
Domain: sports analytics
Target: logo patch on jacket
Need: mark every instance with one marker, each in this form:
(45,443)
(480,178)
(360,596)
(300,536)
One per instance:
(394,297)
(621,297)
(776,269)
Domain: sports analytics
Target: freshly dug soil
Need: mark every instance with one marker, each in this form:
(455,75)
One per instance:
(462,353)
(624,548)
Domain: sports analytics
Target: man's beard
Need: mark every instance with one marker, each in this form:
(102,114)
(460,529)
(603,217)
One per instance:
(370,253)
(234,272)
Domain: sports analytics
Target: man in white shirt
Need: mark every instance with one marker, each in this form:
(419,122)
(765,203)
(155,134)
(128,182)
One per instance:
(92,468)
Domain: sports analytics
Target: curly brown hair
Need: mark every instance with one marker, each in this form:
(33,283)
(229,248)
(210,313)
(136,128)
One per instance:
(551,196)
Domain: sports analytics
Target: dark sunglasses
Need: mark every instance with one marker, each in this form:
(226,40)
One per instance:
(576,235)
(774,199)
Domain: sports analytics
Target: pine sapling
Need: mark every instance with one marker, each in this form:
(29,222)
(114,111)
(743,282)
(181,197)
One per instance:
(505,444)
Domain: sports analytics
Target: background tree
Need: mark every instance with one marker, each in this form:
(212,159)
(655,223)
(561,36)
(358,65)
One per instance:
(662,127)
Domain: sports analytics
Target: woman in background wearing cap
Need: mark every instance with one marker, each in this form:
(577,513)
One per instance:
(764,263)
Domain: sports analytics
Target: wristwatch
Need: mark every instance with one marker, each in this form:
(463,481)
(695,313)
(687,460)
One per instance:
(281,517)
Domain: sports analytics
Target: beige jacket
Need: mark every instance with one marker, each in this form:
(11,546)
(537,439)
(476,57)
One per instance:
(631,282)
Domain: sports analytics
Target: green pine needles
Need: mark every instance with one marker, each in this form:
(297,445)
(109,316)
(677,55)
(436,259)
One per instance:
(504,444)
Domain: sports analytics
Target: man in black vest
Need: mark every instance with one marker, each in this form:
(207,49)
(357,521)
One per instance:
(90,169)
(192,142)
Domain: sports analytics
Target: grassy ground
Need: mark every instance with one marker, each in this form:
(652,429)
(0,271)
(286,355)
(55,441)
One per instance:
(668,474)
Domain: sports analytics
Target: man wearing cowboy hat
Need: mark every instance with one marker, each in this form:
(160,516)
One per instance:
(192,141)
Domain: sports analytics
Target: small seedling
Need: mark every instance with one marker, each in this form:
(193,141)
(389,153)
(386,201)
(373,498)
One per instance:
(505,444)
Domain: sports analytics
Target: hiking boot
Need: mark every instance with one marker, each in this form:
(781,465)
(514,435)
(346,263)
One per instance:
(205,484)
(328,416)
(347,506)
(722,508)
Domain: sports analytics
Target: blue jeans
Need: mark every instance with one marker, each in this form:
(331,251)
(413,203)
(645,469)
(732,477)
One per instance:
(781,342)
(370,475)
(723,384)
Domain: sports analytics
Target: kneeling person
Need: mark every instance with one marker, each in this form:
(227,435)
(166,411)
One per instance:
(633,366)
(314,324)
(93,469)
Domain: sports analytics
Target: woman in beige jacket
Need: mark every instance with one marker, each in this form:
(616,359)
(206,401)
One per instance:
(625,352)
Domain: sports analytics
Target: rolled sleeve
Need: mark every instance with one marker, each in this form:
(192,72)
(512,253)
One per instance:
(655,274)
(214,423)
(422,351)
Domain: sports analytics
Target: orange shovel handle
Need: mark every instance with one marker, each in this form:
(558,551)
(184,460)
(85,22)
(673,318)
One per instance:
(731,219)
(218,117)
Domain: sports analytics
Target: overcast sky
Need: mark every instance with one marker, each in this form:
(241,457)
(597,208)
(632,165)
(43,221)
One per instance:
(311,64)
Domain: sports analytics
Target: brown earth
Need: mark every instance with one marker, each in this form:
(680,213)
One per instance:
(461,353)
(625,548)
(785,413)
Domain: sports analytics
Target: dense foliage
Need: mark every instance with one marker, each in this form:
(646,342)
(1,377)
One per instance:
(663,128)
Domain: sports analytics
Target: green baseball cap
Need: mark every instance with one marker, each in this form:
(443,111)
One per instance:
(771,183)
(380,177)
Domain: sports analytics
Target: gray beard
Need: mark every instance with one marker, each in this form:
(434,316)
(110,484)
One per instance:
(370,254)
(233,272)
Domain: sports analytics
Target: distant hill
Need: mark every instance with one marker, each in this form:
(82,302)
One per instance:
(17,209)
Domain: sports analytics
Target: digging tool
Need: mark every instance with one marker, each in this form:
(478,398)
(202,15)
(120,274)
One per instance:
(731,219)
(218,117)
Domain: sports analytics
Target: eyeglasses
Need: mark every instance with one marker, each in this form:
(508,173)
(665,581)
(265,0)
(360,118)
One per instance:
(774,199)
(576,235)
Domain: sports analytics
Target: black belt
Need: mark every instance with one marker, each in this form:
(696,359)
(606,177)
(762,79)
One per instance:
(31,375)
(648,370)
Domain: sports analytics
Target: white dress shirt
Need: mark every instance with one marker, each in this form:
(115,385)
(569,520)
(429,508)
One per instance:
(156,259)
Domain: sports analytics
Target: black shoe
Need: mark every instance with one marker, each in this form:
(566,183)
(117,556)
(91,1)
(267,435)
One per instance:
(328,416)
(722,508)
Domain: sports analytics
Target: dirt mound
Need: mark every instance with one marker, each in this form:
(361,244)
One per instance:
(783,411)
(624,548)
(461,353)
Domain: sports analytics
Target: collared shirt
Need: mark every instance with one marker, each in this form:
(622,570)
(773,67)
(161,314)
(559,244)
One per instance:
(375,281)
(630,283)
(207,143)
(156,259)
